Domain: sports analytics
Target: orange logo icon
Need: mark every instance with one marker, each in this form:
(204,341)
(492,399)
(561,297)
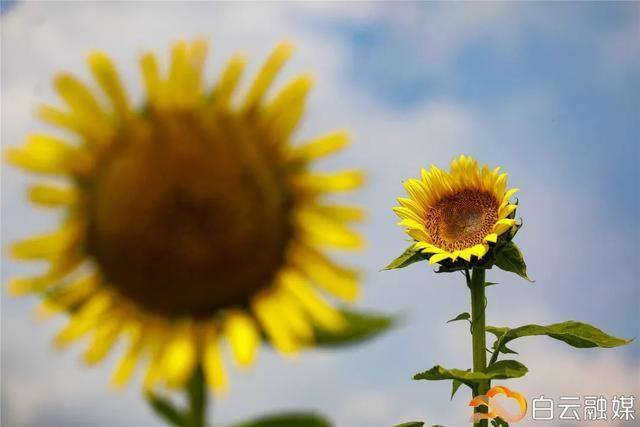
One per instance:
(495,409)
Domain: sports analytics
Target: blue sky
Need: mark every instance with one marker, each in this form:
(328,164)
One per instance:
(550,91)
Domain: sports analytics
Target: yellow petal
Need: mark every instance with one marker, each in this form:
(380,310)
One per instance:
(157,338)
(49,195)
(243,334)
(104,338)
(267,73)
(212,361)
(42,154)
(271,319)
(178,62)
(466,254)
(428,248)
(413,205)
(510,193)
(506,211)
(89,315)
(196,58)
(150,76)
(128,362)
(479,250)
(320,230)
(439,257)
(412,224)
(503,225)
(69,296)
(78,97)
(229,81)
(59,118)
(321,312)
(418,192)
(418,234)
(294,319)
(179,358)
(407,213)
(500,185)
(493,237)
(285,111)
(320,147)
(106,75)
(330,182)
(59,267)
(337,280)
(48,245)
(342,213)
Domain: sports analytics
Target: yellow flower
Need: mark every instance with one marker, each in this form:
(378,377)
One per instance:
(190,220)
(457,214)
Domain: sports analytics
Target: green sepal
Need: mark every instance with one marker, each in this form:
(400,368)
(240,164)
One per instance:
(498,371)
(165,409)
(576,334)
(292,419)
(408,257)
(509,258)
(461,316)
(359,326)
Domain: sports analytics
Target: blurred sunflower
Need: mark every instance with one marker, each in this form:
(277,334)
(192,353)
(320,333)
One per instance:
(188,220)
(457,214)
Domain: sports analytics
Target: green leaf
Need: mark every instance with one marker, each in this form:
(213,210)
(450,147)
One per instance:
(455,385)
(498,332)
(499,422)
(359,326)
(299,419)
(498,371)
(408,257)
(509,258)
(506,350)
(411,424)
(461,316)
(165,409)
(506,369)
(576,334)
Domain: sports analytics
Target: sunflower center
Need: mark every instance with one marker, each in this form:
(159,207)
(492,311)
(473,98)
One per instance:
(187,215)
(462,220)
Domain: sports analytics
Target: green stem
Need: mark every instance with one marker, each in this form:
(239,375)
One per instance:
(197,396)
(478,305)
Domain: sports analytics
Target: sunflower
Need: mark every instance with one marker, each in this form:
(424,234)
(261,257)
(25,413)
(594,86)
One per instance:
(457,214)
(191,222)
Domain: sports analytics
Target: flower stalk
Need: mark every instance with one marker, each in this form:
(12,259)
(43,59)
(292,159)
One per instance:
(197,396)
(476,285)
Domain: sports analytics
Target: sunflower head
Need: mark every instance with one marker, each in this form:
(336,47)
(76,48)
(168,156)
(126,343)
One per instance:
(189,219)
(455,218)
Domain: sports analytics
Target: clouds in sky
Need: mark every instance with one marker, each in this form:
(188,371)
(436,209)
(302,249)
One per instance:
(548,91)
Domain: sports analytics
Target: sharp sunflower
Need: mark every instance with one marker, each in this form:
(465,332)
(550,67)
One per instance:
(457,214)
(188,220)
